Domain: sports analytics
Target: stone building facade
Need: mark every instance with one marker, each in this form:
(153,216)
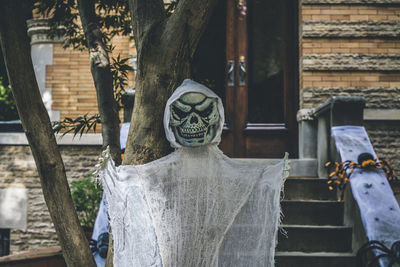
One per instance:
(352,47)
(17,166)
(67,89)
(346,47)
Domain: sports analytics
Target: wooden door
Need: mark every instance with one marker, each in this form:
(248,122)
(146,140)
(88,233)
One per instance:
(249,57)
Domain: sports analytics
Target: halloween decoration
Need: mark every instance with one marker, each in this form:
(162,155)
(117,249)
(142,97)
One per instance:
(191,113)
(195,206)
(379,252)
(194,119)
(341,175)
(379,209)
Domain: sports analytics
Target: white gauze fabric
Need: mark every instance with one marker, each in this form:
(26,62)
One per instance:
(379,209)
(194,207)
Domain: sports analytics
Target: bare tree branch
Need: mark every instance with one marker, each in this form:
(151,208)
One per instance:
(102,76)
(36,123)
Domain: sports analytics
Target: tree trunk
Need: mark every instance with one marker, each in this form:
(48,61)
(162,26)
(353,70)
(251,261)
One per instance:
(165,48)
(102,77)
(147,140)
(38,130)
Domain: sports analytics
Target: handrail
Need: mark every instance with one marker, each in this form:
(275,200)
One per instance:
(315,141)
(315,124)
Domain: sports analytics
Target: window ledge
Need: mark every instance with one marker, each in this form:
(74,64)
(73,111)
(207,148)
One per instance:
(68,139)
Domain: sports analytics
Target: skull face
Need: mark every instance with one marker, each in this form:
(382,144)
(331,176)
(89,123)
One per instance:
(194,119)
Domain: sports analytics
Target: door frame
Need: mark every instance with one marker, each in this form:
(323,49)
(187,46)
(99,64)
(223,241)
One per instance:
(241,138)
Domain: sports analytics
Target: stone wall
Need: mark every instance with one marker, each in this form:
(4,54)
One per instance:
(385,137)
(352,47)
(17,166)
(71,81)
(349,48)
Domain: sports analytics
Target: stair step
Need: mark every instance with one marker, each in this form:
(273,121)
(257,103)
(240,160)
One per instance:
(298,167)
(312,212)
(310,238)
(308,189)
(317,259)
(303,168)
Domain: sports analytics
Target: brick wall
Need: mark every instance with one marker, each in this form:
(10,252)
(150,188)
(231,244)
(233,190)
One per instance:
(17,166)
(70,78)
(329,11)
(352,47)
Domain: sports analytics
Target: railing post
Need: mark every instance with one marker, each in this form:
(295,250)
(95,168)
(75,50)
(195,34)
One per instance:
(321,113)
(344,110)
(336,111)
(323,145)
(307,134)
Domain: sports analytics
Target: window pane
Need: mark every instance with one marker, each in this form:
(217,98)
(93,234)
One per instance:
(266,45)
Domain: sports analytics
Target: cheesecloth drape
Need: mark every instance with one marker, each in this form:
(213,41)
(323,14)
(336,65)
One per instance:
(194,207)
(379,209)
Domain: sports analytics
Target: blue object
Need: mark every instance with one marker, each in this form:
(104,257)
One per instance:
(101,227)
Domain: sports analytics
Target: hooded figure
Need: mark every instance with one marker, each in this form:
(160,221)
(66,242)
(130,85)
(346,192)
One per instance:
(195,206)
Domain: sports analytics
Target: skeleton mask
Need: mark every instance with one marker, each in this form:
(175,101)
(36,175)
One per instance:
(194,116)
(194,119)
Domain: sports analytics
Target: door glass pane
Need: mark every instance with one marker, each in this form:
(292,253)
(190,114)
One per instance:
(266,33)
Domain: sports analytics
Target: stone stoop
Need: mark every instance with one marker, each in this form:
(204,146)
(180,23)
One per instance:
(314,222)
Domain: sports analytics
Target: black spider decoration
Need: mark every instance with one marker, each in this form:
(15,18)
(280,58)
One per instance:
(341,175)
(378,250)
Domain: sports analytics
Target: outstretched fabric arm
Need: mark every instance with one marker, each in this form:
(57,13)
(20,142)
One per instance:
(128,205)
(251,240)
(106,172)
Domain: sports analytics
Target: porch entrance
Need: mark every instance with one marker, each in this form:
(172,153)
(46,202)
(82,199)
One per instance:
(249,57)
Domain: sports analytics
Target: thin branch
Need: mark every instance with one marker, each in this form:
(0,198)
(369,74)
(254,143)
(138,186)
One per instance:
(102,76)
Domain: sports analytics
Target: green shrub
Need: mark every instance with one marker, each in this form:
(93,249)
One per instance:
(8,110)
(86,195)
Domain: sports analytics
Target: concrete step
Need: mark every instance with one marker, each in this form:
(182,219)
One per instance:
(303,168)
(311,238)
(312,212)
(308,189)
(316,259)
(298,167)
